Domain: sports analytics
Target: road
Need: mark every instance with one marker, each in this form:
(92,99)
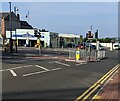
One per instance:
(42,78)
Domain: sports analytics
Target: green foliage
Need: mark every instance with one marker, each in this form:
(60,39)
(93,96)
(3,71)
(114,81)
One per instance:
(102,40)
(105,40)
(84,39)
(93,40)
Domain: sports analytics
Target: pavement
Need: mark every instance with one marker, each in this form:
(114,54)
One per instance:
(24,52)
(110,90)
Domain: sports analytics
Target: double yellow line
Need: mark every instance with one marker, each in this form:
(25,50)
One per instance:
(94,87)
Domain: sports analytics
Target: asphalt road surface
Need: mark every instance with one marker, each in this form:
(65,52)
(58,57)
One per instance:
(40,78)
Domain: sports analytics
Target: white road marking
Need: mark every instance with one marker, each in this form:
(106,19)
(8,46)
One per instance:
(40,72)
(61,63)
(13,73)
(15,68)
(80,64)
(1,70)
(27,66)
(52,62)
(16,60)
(42,67)
(34,73)
(56,69)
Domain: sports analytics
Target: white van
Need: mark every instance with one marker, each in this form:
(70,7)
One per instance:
(116,46)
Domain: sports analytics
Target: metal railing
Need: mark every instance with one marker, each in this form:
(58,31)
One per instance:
(87,54)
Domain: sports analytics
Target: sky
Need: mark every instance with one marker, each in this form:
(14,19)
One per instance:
(70,17)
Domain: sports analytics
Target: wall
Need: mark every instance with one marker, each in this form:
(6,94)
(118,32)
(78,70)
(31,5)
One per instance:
(46,38)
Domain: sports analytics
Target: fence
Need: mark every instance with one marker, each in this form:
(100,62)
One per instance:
(101,54)
(88,55)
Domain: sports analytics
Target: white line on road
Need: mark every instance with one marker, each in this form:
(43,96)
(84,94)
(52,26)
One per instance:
(52,62)
(34,73)
(15,68)
(13,73)
(56,69)
(27,66)
(61,63)
(16,60)
(80,64)
(40,72)
(42,67)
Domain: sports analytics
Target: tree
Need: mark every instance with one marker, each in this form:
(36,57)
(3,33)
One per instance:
(105,40)
(84,39)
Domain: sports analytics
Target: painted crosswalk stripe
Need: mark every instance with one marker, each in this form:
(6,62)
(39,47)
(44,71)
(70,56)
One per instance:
(13,73)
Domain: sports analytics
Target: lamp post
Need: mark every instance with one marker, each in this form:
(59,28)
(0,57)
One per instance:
(10,25)
(15,10)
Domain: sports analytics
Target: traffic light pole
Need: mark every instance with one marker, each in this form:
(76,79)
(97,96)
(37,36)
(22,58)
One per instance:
(15,9)
(11,45)
(38,35)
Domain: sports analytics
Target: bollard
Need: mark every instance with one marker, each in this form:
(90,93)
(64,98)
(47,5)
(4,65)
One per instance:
(77,54)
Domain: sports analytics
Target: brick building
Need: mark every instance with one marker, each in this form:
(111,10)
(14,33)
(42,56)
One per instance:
(5,22)
(15,22)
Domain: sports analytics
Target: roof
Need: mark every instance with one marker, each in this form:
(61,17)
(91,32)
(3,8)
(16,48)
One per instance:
(25,25)
(4,14)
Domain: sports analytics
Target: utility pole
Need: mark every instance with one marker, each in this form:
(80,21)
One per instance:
(10,25)
(15,9)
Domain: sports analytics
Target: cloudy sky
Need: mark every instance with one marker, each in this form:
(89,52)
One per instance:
(70,17)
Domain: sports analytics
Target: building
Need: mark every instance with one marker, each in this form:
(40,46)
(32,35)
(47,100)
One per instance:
(69,40)
(5,22)
(15,22)
(25,37)
(25,25)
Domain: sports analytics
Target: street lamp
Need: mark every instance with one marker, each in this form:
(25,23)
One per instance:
(15,10)
(10,25)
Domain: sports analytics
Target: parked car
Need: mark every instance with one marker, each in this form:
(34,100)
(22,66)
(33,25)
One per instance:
(81,46)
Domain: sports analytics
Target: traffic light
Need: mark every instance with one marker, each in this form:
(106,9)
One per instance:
(96,34)
(89,35)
